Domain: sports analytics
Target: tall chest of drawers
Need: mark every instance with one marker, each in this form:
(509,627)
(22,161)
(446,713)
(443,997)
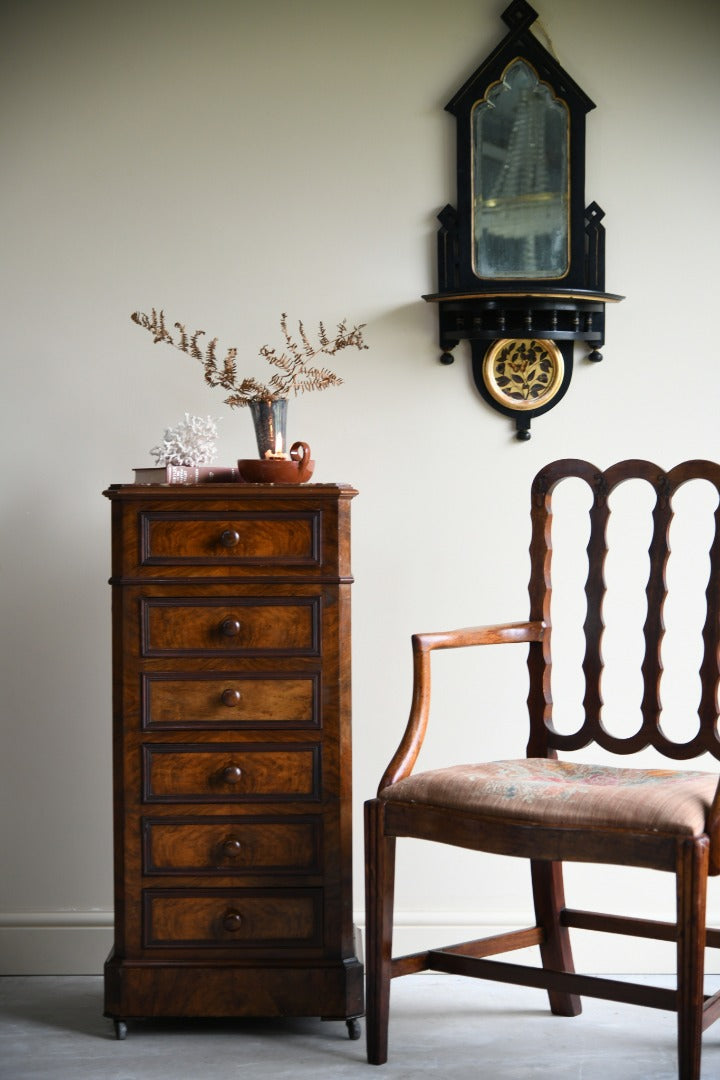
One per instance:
(232,753)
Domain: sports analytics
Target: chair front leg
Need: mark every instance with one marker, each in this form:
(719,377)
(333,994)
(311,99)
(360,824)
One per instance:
(692,874)
(379,896)
(556,951)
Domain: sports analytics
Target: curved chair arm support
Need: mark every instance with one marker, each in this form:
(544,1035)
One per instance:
(422,645)
(711,828)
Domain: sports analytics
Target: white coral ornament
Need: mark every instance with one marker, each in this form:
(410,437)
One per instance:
(191,442)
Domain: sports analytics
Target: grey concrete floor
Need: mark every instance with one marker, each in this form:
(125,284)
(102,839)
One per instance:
(441,1025)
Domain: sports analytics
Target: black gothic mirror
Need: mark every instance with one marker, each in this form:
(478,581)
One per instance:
(521,261)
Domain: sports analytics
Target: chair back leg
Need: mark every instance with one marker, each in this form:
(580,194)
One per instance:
(692,874)
(379,899)
(556,951)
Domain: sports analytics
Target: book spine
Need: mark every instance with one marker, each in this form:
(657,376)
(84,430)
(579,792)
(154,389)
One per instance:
(187,474)
(200,474)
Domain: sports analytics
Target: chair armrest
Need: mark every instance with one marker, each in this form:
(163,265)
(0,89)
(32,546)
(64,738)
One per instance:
(479,635)
(422,645)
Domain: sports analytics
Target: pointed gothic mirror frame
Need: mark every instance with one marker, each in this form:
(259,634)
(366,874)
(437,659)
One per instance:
(521,261)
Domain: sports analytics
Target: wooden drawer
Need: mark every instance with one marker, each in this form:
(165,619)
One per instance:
(232,845)
(229,773)
(249,538)
(249,626)
(211,700)
(226,918)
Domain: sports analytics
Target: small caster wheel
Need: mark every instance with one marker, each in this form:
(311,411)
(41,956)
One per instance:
(120,1029)
(353,1027)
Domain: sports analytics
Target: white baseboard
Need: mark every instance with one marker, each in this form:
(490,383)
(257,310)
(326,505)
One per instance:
(77,942)
(55,942)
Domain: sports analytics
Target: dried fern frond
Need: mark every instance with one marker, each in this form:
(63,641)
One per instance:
(294,361)
(194,347)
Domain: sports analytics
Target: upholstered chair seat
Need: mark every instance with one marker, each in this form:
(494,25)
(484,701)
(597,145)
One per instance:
(567,795)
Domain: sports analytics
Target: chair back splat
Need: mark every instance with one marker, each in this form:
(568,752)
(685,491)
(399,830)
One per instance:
(549,807)
(544,739)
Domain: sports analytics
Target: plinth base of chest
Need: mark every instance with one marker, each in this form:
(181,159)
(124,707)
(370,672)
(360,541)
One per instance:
(137,990)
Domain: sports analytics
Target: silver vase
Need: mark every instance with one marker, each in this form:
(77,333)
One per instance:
(270,418)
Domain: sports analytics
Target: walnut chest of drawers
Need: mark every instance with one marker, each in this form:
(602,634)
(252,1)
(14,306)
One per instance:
(232,753)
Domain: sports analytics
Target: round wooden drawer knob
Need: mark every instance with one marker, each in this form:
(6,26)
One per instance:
(232,774)
(231,847)
(230,697)
(232,920)
(230,626)
(230,538)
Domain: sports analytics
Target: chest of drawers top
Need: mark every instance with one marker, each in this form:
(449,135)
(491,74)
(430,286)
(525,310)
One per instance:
(231,531)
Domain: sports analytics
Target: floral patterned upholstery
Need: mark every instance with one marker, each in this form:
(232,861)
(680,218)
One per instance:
(566,794)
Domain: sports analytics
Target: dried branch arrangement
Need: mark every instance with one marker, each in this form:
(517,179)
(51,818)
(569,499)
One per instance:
(297,374)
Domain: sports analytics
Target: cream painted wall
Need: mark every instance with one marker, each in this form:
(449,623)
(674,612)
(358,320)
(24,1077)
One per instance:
(231,159)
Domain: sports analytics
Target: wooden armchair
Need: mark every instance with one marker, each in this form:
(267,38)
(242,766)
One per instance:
(549,810)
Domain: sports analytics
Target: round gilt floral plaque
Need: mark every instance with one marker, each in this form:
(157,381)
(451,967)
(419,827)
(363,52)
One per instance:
(523,373)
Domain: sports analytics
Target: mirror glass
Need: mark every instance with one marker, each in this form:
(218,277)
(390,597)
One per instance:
(520,182)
